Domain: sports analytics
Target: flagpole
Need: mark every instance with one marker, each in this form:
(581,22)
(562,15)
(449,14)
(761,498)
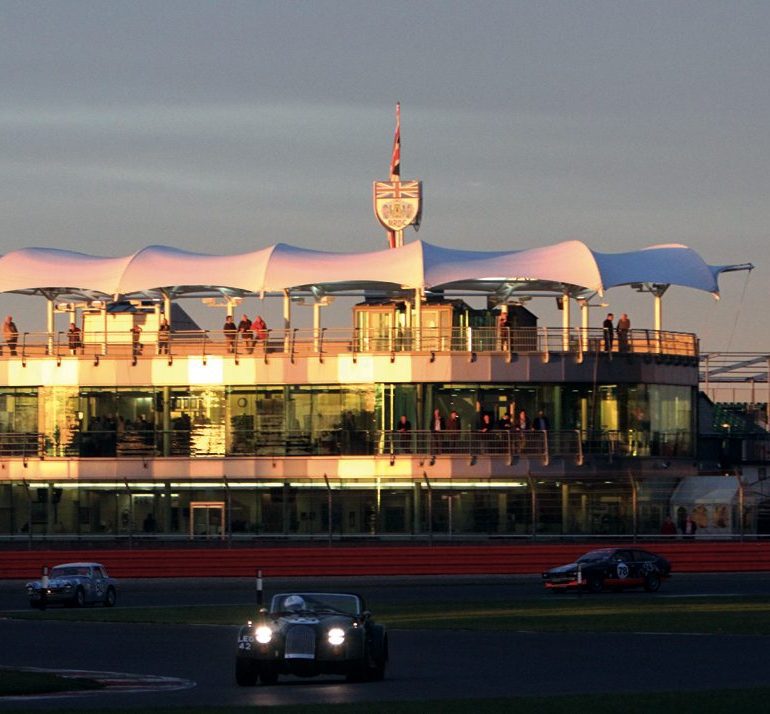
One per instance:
(396,238)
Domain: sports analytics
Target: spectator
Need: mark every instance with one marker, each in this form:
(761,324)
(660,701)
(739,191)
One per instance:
(74,338)
(247,336)
(453,427)
(230,330)
(437,429)
(668,527)
(259,330)
(10,334)
(485,432)
(624,326)
(541,423)
(163,336)
(609,332)
(403,436)
(136,334)
(688,531)
(521,425)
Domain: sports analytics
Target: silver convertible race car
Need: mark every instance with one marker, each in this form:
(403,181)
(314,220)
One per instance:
(75,584)
(307,634)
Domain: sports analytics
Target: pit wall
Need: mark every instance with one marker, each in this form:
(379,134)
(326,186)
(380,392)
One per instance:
(325,561)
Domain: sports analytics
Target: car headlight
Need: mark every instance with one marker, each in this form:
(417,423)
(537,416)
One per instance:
(336,636)
(263,634)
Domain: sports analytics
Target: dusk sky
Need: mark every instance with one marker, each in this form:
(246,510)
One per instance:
(223,127)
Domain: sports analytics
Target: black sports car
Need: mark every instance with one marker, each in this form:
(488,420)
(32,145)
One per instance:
(307,634)
(615,568)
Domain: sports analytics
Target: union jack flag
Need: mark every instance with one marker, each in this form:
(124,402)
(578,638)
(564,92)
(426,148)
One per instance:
(396,189)
(395,157)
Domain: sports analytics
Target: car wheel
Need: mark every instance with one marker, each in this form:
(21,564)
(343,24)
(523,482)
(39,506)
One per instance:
(110,598)
(652,583)
(268,677)
(377,655)
(80,598)
(245,672)
(595,584)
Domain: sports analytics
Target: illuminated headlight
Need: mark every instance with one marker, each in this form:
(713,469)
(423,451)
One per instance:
(336,636)
(263,634)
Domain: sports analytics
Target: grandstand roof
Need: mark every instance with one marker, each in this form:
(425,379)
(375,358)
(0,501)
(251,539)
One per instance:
(568,267)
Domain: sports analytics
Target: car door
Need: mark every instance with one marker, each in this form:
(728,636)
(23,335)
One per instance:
(99,584)
(624,571)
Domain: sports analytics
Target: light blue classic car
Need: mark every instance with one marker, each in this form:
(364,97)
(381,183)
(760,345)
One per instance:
(75,584)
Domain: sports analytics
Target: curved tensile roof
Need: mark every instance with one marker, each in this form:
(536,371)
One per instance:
(569,267)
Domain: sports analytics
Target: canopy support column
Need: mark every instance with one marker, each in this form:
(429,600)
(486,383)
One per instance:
(166,306)
(316,325)
(49,322)
(584,307)
(417,344)
(657,292)
(286,320)
(565,321)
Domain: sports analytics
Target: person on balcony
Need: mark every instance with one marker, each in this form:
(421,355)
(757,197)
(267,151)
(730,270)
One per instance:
(136,345)
(453,427)
(247,336)
(74,340)
(624,326)
(230,330)
(403,435)
(259,330)
(485,433)
(609,331)
(163,336)
(437,429)
(521,425)
(10,334)
(540,422)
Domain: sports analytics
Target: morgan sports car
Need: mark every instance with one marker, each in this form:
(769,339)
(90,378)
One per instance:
(307,634)
(614,568)
(75,584)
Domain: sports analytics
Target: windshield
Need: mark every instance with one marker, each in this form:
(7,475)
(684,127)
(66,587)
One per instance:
(594,555)
(317,603)
(63,571)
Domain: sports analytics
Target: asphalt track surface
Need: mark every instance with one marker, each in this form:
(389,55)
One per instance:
(426,664)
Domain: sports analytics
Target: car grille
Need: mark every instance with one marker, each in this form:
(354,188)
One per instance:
(300,642)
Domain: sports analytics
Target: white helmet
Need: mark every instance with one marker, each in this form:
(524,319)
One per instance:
(294,602)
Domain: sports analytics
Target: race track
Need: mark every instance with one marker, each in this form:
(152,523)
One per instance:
(425,664)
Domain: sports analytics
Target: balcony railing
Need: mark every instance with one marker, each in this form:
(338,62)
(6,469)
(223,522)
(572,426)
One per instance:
(334,341)
(213,441)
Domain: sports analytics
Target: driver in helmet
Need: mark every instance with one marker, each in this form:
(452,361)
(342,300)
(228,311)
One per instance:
(294,603)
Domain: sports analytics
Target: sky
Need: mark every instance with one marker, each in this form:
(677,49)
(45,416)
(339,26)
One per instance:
(224,127)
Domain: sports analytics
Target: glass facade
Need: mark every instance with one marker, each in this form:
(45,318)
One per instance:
(529,507)
(196,422)
(295,420)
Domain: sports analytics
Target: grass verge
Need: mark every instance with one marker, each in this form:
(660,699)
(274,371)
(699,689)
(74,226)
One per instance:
(718,615)
(19,682)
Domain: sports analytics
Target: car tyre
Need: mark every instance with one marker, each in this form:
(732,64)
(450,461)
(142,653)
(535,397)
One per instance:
(80,598)
(377,656)
(110,597)
(268,678)
(652,583)
(595,584)
(245,672)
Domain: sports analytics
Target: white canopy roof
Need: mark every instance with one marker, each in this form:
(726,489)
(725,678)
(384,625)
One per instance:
(569,267)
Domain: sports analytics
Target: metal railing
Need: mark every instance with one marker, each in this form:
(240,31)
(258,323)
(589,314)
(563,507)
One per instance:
(330,341)
(212,440)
